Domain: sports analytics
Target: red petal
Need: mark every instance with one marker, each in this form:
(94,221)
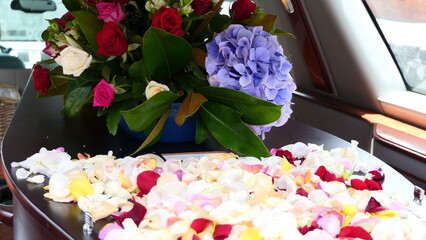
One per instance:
(354,232)
(358,184)
(137,213)
(374,206)
(373,185)
(200,224)
(222,231)
(320,172)
(329,177)
(301,192)
(146,180)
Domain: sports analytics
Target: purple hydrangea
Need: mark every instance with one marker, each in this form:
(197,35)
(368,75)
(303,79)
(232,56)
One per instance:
(252,61)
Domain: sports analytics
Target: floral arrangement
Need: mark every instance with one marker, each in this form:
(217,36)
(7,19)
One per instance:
(132,59)
(301,192)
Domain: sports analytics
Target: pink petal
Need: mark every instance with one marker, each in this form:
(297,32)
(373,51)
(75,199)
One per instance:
(106,229)
(146,180)
(330,223)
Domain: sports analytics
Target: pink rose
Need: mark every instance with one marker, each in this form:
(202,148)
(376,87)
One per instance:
(104,94)
(110,12)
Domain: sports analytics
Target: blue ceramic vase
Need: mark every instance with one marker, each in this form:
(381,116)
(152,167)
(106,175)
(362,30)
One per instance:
(171,131)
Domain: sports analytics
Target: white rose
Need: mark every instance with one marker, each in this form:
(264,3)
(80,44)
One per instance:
(154,88)
(73,61)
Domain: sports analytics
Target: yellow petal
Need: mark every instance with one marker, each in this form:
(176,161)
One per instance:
(349,210)
(286,166)
(383,214)
(250,234)
(81,187)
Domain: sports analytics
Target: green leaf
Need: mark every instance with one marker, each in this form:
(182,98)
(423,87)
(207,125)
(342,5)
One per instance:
(141,116)
(71,5)
(262,19)
(165,54)
(90,25)
(138,89)
(75,101)
(139,71)
(279,32)
(155,133)
(254,110)
(201,132)
(189,82)
(189,106)
(220,22)
(112,120)
(226,126)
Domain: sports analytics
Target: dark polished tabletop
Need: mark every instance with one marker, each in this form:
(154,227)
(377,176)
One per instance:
(38,123)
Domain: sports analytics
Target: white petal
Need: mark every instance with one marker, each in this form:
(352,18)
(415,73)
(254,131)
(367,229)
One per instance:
(36,179)
(22,173)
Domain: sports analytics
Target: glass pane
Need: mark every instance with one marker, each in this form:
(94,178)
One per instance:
(21,31)
(403,24)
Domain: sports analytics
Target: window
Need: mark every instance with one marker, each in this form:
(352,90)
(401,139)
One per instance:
(21,31)
(403,24)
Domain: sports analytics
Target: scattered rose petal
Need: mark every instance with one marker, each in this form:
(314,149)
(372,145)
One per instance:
(200,224)
(21,173)
(137,213)
(374,206)
(36,179)
(354,232)
(222,231)
(146,180)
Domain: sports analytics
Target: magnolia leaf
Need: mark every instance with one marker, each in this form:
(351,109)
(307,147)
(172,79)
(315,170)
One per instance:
(199,57)
(90,25)
(139,71)
(201,132)
(72,5)
(112,120)
(190,82)
(75,100)
(226,126)
(254,111)
(141,116)
(153,136)
(165,54)
(262,19)
(189,106)
(220,22)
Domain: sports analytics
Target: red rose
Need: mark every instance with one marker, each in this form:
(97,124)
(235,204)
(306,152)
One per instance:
(242,9)
(169,20)
(103,94)
(111,40)
(201,6)
(41,79)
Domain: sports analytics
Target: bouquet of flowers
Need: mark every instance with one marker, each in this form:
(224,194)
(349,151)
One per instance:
(132,59)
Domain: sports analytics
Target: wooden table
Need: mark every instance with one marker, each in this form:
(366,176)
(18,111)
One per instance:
(38,123)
